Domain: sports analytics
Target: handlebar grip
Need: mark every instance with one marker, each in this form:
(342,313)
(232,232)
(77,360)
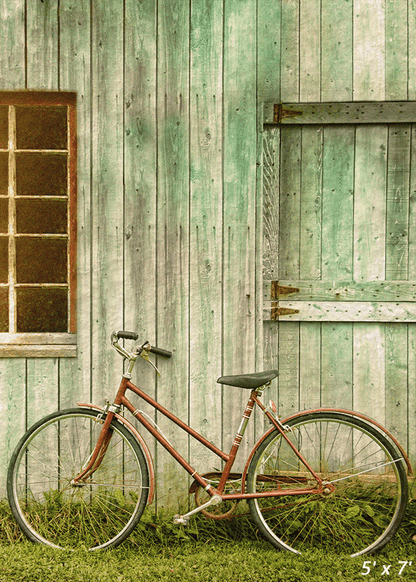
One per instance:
(130,335)
(161,352)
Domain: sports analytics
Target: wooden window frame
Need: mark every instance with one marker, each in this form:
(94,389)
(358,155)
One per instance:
(51,344)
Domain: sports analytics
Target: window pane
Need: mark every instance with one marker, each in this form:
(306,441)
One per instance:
(4,173)
(4,215)
(4,127)
(41,128)
(4,309)
(4,259)
(41,216)
(42,310)
(41,260)
(41,174)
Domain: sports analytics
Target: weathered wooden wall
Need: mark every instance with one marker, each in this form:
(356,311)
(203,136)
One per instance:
(169,179)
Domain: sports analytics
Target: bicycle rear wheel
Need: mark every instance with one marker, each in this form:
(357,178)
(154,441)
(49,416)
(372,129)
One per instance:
(95,514)
(369,501)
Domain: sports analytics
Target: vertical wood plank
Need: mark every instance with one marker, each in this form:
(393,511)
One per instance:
(310,365)
(42,45)
(369,50)
(337,50)
(12,371)
(107,194)
(42,56)
(271,201)
(140,178)
(240,144)
(173,230)
(337,260)
(269,39)
(411,49)
(337,365)
(410,441)
(398,173)
(206,231)
(369,265)
(369,370)
(370,203)
(310,50)
(396,51)
(75,74)
(290,186)
(338,203)
(311,203)
(397,380)
(289,367)
(290,51)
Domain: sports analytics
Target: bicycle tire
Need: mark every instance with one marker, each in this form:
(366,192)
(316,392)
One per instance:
(367,506)
(97,514)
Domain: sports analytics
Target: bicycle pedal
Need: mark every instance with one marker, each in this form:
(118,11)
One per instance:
(180,520)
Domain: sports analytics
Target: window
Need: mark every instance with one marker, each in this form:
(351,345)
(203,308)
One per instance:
(37,223)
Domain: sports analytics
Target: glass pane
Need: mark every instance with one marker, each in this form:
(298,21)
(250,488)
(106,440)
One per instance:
(4,215)
(4,173)
(4,259)
(41,128)
(4,309)
(4,127)
(42,310)
(41,260)
(41,174)
(41,216)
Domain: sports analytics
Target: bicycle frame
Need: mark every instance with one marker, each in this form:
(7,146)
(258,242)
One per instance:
(122,400)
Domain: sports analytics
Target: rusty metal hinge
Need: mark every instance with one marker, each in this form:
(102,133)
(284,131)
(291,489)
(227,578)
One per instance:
(280,113)
(277,290)
(277,311)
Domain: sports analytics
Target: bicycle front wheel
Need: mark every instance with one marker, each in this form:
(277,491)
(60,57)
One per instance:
(370,493)
(96,513)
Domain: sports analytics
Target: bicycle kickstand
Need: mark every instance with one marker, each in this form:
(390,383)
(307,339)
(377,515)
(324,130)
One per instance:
(184,519)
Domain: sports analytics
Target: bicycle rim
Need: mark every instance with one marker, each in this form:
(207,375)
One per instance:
(363,512)
(99,513)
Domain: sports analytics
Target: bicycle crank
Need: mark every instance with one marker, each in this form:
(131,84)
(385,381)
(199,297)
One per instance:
(184,519)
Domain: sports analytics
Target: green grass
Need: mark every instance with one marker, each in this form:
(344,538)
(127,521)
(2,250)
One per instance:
(208,551)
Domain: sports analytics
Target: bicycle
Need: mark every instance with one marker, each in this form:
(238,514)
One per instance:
(328,478)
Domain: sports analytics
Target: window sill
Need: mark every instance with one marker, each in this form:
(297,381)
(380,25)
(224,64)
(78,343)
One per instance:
(38,345)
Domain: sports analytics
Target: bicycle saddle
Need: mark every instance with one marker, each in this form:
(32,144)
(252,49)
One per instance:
(250,381)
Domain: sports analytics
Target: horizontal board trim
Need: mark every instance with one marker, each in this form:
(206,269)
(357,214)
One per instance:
(30,97)
(342,290)
(343,112)
(38,338)
(37,351)
(344,311)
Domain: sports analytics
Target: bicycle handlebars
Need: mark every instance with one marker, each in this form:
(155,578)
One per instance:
(131,335)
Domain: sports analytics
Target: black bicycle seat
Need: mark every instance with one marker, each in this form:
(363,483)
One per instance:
(250,381)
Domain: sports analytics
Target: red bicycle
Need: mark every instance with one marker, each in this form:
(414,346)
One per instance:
(328,478)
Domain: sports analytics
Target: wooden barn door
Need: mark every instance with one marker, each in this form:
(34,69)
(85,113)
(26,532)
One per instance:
(340,257)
